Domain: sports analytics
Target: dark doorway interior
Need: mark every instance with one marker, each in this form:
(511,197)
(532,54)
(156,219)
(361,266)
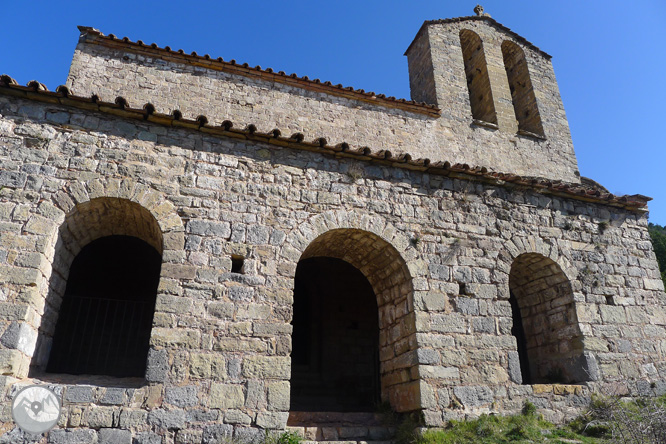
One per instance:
(335,359)
(106,314)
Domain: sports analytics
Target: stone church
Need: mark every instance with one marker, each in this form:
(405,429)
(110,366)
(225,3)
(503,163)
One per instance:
(193,249)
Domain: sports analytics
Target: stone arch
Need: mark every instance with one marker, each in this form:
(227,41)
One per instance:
(522,90)
(540,285)
(387,259)
(478,79)
(87,211)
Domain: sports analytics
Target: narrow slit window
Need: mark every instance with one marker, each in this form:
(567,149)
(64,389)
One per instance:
(478,81)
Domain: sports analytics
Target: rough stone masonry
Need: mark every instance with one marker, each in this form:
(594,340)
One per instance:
(491,271)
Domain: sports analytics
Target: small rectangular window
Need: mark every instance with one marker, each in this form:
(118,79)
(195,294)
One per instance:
(237,263)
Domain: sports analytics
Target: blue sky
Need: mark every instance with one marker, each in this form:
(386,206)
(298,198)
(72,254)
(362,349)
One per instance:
(609,57)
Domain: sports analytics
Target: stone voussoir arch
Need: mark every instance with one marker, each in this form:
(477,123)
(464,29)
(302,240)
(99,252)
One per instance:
(393,266)
(78,192)
(529,244)
(118,195)
(300,238)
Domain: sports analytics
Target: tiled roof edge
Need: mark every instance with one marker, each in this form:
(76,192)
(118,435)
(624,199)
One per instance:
(62,96)
(490,20)
(95,36)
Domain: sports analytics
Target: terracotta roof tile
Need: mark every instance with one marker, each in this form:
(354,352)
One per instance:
(120,107)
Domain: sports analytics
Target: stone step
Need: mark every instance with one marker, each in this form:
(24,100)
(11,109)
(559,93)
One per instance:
(343,433)
(340,426)
(343,418)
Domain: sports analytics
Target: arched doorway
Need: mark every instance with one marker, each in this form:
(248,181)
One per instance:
(106,314)
(353,311)
(335,354)
(549,341)
(102,291)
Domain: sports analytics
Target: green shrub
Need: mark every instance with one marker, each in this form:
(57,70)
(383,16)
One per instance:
(638,421)
(284,438)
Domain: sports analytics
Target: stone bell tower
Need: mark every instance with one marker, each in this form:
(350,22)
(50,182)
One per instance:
(482,74)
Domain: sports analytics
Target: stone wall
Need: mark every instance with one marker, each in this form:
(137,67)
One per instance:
(437,250)
(170,81)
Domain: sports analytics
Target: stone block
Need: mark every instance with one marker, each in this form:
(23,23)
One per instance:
(405,397)
(438,372)
(79,394)
(539,389)
(484,325)
(157,366)
(147,438)
(208,366)
(467,306)
(217,434)
(272,420)
(226,396)
(482,291)
(114,436)
(182,396)
(251,435)
(427,356)
(188,436)
(267,367)
(20,336)
(237,417)
(239,293)
(222,310)
(256,395)
(473,396)
(175,337)
(179,271)
(515,374)
(440,272)
(12,179)
(278,396)
(202,415)
(612,314)
(130,418)
(208,228)
(239,345)
(173,304)
(98,417)
(433,301)
(167,419)
(114,396)
(77,436)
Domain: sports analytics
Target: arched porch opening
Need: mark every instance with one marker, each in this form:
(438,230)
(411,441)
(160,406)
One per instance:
(102,291)
(550,346)
(353,297)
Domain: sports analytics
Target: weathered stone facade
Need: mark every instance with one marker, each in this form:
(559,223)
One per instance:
(459,259)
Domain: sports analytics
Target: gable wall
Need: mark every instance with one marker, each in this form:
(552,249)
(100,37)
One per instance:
(139,78)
